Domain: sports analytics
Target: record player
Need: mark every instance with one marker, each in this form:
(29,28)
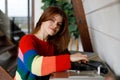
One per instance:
(92,65)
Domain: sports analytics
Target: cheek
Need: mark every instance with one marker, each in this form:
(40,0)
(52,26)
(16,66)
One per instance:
(46,25)
(60,29)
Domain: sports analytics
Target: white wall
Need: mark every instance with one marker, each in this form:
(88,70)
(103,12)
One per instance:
(103,18)
(38,11)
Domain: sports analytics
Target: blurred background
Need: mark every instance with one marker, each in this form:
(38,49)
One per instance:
(102,18)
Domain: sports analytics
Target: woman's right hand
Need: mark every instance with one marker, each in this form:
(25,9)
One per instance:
(78,57)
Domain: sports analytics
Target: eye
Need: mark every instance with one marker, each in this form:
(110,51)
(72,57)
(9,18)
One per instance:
(59,24)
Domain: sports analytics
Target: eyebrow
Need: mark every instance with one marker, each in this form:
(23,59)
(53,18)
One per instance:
(55,19)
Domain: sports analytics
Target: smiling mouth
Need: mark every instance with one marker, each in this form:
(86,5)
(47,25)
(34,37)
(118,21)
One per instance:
(53,30)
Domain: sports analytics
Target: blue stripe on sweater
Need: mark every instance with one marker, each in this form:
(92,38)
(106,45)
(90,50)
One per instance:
(28,58)
(23,71)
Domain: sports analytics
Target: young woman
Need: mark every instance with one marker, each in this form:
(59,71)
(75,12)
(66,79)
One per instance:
(45,50)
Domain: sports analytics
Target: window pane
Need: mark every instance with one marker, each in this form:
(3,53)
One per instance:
(2,5)
(17,8)
(18,13)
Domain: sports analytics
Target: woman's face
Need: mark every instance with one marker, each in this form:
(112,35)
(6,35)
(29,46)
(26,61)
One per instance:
(52,26)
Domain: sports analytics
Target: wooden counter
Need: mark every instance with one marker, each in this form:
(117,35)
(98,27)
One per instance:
(83,75)
(4,75)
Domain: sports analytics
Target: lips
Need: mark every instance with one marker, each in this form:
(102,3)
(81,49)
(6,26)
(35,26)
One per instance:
(53,29)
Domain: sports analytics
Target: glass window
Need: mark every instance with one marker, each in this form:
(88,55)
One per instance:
(19,14)
(17,8)
(2,5)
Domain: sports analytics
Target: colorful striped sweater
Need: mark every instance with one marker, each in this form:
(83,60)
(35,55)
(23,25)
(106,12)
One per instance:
(36,59)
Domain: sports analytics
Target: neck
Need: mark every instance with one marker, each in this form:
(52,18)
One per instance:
(41,36)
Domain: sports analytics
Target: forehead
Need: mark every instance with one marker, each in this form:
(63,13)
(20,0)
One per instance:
(58,17)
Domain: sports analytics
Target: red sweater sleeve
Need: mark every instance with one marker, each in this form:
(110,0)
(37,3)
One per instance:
(58,63)
(63,62)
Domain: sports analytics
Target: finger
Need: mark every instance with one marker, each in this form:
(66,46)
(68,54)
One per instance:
(79,61)
(85,56)
(85,59)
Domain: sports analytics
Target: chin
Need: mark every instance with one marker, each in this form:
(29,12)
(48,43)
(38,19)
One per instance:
(51,34)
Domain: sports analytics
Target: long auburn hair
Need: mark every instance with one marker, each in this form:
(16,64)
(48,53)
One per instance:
(61,39)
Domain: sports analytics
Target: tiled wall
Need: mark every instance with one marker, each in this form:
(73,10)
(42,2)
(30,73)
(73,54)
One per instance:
(103,18)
